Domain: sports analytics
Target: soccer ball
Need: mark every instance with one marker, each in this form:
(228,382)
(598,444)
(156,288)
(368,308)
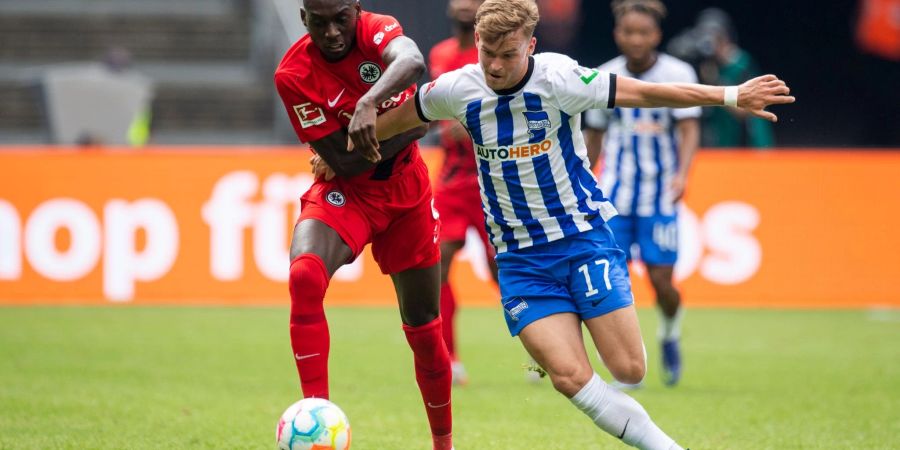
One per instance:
(313,424)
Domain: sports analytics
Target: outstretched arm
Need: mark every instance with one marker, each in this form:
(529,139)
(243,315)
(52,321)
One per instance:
(753,96)
(405,64)
(395,122)
(332,149)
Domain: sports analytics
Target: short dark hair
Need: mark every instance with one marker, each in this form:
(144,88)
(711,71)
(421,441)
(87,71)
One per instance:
(653,8)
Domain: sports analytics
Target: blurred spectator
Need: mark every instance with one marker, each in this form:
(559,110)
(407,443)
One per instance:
(712,47)
(559,24)
(104,103)
(878,29)
(878,37)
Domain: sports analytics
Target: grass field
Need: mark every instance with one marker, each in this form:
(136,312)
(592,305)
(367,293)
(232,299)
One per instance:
(218,378)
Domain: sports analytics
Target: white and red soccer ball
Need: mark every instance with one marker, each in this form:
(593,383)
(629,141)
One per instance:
(313,424)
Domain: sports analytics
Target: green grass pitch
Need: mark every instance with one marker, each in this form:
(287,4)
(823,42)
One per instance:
(218,378)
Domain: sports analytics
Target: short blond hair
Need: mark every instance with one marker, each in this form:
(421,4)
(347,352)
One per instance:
(498,18)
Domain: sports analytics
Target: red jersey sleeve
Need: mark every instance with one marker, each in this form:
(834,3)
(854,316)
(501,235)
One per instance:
(376,31)
(310,119)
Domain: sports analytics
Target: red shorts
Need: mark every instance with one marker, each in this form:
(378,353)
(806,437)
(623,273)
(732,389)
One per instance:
(460,208)
(395,215)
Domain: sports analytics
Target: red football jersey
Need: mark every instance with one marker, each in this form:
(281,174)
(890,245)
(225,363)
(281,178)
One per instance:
(320,96)
(459,170)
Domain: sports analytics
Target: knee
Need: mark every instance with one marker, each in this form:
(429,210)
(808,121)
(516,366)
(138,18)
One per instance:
(419,315)
(308,280)
(568,380)
(661,282)
(631,370)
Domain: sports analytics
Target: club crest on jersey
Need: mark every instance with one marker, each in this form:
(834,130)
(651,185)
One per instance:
(538,122)
(514,307)
(369,72)
(309,115)
(336,198)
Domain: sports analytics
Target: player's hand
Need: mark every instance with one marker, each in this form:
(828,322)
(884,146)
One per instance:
(320,168)
(362,131)
(756,94)
(677,187)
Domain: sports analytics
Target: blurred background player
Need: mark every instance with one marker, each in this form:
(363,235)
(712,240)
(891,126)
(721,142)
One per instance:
(647,158)
(560,268)
(712,46)
(456,196)
(351,66)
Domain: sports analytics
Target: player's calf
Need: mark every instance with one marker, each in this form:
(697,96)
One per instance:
(432,364)
(628,368)
(310,340)
(621,416)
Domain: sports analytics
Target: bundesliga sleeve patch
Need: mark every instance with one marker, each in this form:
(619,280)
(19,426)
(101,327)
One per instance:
(309,115)
(586,75)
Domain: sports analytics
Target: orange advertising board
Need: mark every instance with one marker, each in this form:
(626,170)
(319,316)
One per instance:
(212,226)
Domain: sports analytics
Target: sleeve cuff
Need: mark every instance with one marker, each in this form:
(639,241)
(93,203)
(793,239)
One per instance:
(419,108)
(611,98)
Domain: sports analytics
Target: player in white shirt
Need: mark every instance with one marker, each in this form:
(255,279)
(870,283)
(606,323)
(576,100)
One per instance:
(559,265)
(647,156)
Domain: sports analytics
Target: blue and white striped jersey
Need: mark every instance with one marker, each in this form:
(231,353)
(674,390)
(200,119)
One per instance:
(536,184)
(640,146)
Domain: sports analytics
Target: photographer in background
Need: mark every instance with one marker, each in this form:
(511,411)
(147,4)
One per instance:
(711,46)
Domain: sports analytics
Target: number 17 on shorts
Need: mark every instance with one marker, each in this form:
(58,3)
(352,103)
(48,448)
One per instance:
(601,285)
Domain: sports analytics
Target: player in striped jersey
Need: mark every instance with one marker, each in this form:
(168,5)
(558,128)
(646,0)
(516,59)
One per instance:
(647,156)
(558,263)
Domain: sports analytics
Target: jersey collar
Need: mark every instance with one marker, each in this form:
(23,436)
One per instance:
(520,84)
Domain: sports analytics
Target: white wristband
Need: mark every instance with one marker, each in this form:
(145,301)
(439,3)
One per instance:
(731,96)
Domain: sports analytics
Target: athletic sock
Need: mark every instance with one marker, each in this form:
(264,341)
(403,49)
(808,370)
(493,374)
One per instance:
(432,364)
(310,340)
(448,315)
(669,327)
(621,416)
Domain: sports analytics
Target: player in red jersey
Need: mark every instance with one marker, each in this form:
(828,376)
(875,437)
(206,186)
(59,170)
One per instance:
(352,66)
(456,194)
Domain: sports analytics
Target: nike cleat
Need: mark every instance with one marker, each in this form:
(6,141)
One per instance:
(671,362)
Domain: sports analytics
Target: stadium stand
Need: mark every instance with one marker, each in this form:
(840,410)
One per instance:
(211,86)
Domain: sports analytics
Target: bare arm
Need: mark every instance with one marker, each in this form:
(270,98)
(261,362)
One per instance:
(688,141)
(593,140)
(753,95)
(405,64)
(397,121)
(333,150)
